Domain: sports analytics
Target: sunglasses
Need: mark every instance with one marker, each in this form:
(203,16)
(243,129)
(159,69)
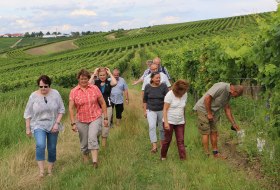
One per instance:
(44,86)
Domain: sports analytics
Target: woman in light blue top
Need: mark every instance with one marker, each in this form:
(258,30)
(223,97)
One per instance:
(42,115)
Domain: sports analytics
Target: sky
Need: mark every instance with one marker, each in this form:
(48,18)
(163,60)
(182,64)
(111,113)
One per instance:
(19,16)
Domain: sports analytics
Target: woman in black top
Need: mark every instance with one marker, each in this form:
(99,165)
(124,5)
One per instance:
(153,101)
(105,86)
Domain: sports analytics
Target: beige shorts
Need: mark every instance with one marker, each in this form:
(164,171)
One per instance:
(105,130)
(205,126)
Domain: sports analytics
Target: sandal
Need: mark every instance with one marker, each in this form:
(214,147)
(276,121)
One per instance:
(154,150)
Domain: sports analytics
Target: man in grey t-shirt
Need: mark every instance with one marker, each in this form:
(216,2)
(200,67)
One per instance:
(217,97)
(117,96)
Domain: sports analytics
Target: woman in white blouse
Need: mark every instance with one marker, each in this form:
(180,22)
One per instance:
(174,117)
(42,115)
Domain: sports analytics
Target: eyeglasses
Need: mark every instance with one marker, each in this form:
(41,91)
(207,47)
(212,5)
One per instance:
(45,99)
(44,86)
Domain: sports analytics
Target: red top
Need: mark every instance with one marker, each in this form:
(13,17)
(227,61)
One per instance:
(86,103)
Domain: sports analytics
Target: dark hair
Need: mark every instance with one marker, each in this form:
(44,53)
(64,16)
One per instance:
(180,87)
(83,72)
(153,75)
(46,79)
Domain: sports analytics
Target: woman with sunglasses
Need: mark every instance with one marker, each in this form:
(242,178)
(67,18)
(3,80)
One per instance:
(153,101)
(43,114)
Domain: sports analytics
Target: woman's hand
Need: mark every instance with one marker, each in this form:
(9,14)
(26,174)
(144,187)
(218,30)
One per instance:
(108,71)
(28,132)
(55,128)
(105,123)
(74,128)
(166,126)
(145,114)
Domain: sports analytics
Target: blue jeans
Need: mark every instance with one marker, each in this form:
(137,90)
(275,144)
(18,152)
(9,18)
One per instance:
(40,137)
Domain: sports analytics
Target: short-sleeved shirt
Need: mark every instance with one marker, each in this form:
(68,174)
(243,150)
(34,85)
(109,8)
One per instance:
(86,103)
(220,93)
(176,111)
(117,91)
(154,96)
(163,79)
(105,90)
(43,110)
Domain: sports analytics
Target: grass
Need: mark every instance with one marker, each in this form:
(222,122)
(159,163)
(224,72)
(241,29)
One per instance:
(126,163)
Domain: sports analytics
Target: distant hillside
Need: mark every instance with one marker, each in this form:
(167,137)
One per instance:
(125,47)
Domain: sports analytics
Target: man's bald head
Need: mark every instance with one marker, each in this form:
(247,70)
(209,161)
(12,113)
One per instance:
(157,61)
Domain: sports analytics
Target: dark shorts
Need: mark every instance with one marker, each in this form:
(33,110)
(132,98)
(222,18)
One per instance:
(119,110)
(205,127)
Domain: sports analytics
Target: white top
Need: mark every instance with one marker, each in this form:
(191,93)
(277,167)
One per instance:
(163,79)
(175,113)
(43,110)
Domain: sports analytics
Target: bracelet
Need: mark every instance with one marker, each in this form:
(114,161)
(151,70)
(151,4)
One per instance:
(72,124)
(105,118)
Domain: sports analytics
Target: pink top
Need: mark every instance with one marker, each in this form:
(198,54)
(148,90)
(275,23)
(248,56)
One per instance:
(86,103)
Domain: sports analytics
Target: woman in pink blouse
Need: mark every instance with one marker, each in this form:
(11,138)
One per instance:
(86,98)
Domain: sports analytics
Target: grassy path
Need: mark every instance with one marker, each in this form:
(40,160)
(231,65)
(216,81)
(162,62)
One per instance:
(126,163)
(14,45)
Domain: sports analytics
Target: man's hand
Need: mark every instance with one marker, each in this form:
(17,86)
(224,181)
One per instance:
(236,127)
(210,117)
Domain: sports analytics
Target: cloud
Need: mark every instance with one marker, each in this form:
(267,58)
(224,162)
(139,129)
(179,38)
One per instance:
(83,12)
(104,24)
(22,23)
(165,20)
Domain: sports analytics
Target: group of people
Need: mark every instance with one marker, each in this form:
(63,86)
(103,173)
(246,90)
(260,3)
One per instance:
(91,105)
(164,107)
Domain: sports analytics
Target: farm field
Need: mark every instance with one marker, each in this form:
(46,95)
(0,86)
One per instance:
(6,43)
(202,52)
(52,48)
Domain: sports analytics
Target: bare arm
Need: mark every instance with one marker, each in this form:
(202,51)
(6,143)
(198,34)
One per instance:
(72,117)
(27,126)
(57,121)
(230,117)
(104,110)
(207,103)
(113,82)
(165,110)
(93,76)
(145,109)
(138,81)
(126,96)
